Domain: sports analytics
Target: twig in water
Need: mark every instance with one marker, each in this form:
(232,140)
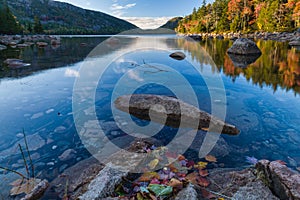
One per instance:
(13,171)
(28,152)
(25,162)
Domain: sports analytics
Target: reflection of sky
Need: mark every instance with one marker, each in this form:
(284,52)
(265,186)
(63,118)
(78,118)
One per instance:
(269,121)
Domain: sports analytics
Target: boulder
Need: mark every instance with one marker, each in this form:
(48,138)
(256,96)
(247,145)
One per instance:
(244,46)
(2,47)
(79,177)
(178,55)
(188,193)
(104,184)
(171,112)
(243,60)
(41,44)
(294,43)
(284,182)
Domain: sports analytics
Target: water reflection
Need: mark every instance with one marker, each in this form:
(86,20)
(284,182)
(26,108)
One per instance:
(277,67)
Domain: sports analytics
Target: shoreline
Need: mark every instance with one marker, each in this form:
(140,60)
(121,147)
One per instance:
(275,36)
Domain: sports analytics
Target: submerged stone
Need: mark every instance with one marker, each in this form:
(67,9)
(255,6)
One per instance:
(178,55)
(171,112)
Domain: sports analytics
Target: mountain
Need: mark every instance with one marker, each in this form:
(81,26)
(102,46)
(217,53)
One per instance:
(172,23)
(63,18)
(8,24)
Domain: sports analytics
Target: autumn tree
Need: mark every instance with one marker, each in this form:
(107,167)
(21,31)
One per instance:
(8,23)
(38,28)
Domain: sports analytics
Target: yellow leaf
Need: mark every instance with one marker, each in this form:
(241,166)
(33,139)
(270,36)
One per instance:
(148,176)
(202,165)
(211,158)
(153,163)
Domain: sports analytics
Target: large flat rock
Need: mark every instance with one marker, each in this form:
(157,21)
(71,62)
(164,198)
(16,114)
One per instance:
(171,112)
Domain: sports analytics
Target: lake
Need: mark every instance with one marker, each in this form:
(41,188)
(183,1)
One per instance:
(69,89)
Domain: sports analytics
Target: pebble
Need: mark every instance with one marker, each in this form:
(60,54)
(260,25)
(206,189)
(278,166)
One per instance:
(37,115)
(50,164)
(20,135)
(49,111)
(60,129)
(54,147)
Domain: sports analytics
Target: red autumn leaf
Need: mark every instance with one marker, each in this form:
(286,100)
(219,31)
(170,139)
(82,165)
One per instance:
(190,163)
(192,178)
(207,195)
(175,183)
(155,181)
(203,172)
(181,157)
(203,182)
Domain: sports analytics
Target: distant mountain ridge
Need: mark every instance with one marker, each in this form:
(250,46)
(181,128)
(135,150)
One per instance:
(172,23)
(64,18)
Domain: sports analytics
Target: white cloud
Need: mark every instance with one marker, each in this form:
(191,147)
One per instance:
(71,73)
(118,10)
(147,22)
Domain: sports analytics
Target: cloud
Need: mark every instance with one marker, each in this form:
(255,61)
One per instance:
(71,73)
(118,10)
(147,22)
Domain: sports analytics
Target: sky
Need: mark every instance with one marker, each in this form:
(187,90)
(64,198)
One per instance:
(145,14)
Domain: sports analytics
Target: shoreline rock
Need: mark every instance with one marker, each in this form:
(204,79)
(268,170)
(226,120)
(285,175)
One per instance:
(244,46)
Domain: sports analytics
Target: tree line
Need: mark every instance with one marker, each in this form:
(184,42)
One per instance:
(244,16)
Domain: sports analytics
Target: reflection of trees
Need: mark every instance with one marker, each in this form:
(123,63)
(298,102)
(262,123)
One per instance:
(279,65)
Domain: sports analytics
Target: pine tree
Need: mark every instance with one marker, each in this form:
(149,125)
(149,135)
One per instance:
(38,28)
(8,23)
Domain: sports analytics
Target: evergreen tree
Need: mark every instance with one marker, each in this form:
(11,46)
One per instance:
(38,28)
(8,23)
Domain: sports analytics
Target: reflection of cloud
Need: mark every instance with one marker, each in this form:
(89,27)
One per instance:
(71,73)
(147,22)
(135,76)
(118,9)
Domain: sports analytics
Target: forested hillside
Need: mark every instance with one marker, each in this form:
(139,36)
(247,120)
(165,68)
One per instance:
(243,15)
(62,18)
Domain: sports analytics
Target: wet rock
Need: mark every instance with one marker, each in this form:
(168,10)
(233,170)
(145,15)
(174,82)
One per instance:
(104,184)
(41,44)
(243,60)
(196,37)
(253,191)
(244,46)
(284,182)
(15,63)
(171,112)
(55,42)
(294,43)
(2,47)
(178,55)
(79,176)
(67,155)
(22,45)
(188,193)
(37,191)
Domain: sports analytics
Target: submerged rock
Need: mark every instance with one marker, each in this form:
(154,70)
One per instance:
(243,60)
(284,182)
(188,193)
(67,155)
(37,191)
(244,46)
(15,63)
(177,112)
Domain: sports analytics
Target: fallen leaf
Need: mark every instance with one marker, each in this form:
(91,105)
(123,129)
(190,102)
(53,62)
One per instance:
(148,176)
(153,163)
(202,165)
(190,163)
(144,190)
(203,182)
(207,195)
(139,196)
(203,172)
(176,183)
(155,181)
(192,178)
(211,158)
(25,186)
(160,190)
(181,157)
